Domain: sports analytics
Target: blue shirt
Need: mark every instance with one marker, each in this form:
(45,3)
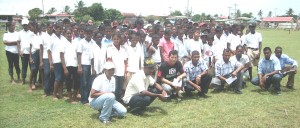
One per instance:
(222,68)
(192,71)
(268,66)
(285,59)
(106,42)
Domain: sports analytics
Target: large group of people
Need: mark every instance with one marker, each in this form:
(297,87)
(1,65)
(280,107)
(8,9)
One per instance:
(111,66)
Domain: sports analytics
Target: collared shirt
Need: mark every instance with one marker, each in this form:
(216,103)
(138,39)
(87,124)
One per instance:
(138,83)
(196,45)
(55,46)
(179,46)
(118,57)
(268,66)
(45,37)
(70,53)
(25,40)
(224,37)
(135,58)
(11,37)
(193,71)
(222,68)
(35,41)
(234,40)
(86,50)
(166,46)
(102,84)
(285,59)
(252,40)
(99,58)
(106,42)
(243,60)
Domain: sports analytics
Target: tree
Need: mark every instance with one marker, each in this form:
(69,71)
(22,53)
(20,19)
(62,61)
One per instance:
(216,15)
(290,12)
(260,13)
(270,14)
(96,11)
(196,18)
(176,13)
(249,15)
(238,13)
(51,10)
(67,9)
(208,17)
(113,14)
(84,18)
(80,4)
(34,13)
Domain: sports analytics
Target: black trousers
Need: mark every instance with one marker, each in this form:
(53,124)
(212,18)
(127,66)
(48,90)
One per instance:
(205,81)
(72,80)
(141,100)
(13,60)
(25,63)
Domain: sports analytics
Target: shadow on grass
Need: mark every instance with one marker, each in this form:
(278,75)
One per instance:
(260,91)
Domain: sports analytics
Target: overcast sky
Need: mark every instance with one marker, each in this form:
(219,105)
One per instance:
(160,7)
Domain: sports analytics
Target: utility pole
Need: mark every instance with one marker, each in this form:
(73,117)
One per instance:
(170,10)
(235,10)
(43,8)
(275,12)
(187,8)
(229,12)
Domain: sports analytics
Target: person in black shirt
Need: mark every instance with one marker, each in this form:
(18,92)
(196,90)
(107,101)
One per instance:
(171,73)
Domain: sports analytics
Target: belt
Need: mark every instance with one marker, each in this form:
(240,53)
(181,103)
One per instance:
(254,49)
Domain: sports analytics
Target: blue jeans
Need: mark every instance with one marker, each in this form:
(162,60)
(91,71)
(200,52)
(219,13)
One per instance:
(275,80)
(108,105)
(48,78)
(85,83)
(35,66)
(58,73)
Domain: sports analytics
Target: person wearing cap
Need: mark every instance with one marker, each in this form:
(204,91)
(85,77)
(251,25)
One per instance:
(102,97)
(142,89)
(24,47)
(197,75)
(253,44)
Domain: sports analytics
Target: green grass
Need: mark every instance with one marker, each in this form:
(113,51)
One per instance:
(253,108)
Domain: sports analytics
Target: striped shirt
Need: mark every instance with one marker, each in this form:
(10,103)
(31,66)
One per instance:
(193,71)
(222,68)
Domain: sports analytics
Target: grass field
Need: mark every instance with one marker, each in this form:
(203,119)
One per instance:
(254,108)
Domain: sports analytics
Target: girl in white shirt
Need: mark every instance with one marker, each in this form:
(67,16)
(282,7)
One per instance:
(154,51)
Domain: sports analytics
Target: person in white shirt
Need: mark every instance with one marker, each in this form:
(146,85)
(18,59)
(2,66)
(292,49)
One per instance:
(102,97)
(68,56)
(107,39)
(179,46)
(86,63)
(34,54)
(243,59)
(11,39)
(44,61)
(219,44)
(196,43)
(117,54)
(142,89)
(233,39)
(154,51)
(99,52)
(209,51)
(54,48)
(24,47)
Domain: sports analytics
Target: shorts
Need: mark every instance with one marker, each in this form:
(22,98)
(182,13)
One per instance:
(253,54)
(58,72)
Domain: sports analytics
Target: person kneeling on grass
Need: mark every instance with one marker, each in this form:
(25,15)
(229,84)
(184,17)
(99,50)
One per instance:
(226,69)
(197,75)
(138,94)
(102,97)
(268,72)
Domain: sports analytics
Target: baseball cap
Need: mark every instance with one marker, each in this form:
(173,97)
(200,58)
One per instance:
(25,21)
(252,23)
(149,62)
(109,65)
(156,22)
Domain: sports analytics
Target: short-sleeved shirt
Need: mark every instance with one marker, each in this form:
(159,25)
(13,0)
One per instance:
(285,59)
(196,45)
(252,40)
(234,40)
(99,58)
(70,53)
(179,46)
(102,84)
(268,66)
(222,68)
(166,46)
(55,46)
(35,42)
(170,72)
(138,83)
(11,37)
(106,42)
(86,50)
(24,37)
(193,71)
(135,58)
(243,60)
(118,57)
(45,37)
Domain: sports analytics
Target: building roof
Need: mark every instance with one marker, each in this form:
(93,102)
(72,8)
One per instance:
(128,14)
(277,19)
(59,14)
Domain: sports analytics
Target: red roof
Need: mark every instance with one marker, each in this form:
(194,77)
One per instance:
(273,19)
(128,14)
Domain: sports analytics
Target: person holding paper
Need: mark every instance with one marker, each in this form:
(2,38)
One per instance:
(138,94)
(171,74)
(228,68)
(243,59)
(268,72)
(290,70)
(197,75)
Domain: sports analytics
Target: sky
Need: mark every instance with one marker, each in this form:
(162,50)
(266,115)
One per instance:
(160,7)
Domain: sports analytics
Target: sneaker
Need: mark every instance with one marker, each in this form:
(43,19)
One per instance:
(203,95)
(178,98)
(106,122)
(179,95)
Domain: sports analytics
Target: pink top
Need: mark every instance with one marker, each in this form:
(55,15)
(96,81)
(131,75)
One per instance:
(166,47)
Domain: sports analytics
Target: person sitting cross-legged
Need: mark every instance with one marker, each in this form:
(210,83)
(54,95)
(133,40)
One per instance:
(102,97)
(196,75)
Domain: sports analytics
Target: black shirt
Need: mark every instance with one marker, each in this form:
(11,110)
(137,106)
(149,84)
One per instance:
(170,72)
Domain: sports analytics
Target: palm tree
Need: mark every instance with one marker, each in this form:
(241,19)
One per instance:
(51,10)
(270,14)
(290,12)
(80,4)
(238,13)
(260,13)
(67,9)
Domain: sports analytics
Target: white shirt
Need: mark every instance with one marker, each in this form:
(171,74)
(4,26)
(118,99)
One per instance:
(35,42)
(70,53)
(55,46)
(86,50)
(45,37)
(209,51)
(179,46)
(102,84)
(196,45)
(25,41)
(11,37)
(219,47)
(135,58)
(243,60)
(138,83)
(252,40)
(234,40)
(99,58)
(156,55)
(118,57)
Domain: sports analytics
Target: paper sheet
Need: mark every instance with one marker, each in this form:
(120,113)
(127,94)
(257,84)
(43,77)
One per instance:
(230,80)
(177,83)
